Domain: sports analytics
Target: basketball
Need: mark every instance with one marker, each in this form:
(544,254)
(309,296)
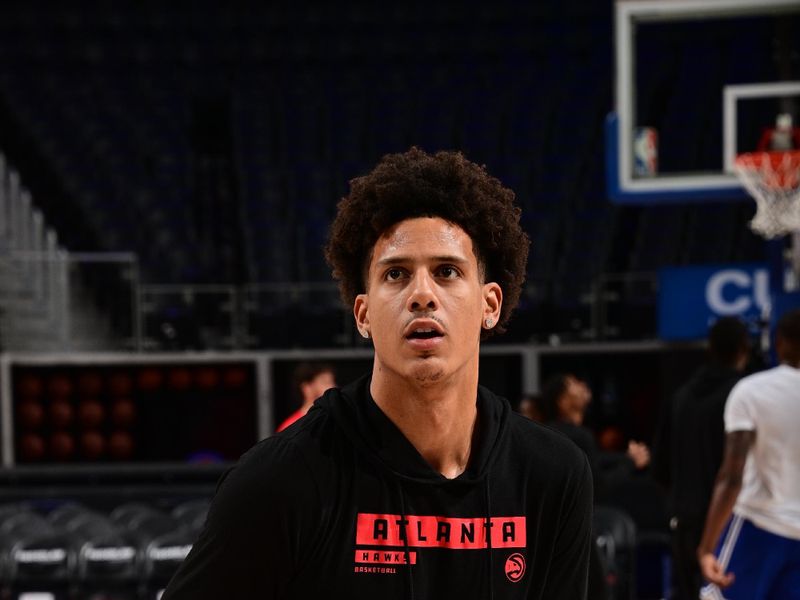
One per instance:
(90,414)
(30,386)
(149,379)
(30,414)
(120,384)
(235,377)
(61,414)
(180,379)
(90,384)
(120,445)
(62,446)
(31,447)
(59,387)
(207,378)
(93,445)
(123,413)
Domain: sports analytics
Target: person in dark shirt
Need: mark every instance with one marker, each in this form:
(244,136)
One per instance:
(563,403)
(689,444)
(413,481)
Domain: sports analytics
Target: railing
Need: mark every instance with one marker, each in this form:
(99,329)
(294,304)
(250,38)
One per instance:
(226,317)
(61,301)
(304,314)
(97,302)
(189,317)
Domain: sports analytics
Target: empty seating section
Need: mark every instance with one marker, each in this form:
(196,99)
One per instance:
(112,96)
(63,549)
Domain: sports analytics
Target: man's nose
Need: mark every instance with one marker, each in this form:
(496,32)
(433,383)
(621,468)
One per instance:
(423,295)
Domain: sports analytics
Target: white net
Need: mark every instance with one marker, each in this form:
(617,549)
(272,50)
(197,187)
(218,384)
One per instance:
(773,180)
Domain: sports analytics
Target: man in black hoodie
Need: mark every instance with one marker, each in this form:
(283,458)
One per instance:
(689,444)
(414,481)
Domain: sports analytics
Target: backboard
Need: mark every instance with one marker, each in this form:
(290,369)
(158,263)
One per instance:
(697,82)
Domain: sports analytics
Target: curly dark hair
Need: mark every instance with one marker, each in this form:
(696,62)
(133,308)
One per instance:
(445,185)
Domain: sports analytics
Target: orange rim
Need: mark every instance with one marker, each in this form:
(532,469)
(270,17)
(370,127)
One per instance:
(775,169)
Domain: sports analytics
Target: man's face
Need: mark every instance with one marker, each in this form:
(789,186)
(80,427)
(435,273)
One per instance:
(575,400)
(319,385)
(426,301)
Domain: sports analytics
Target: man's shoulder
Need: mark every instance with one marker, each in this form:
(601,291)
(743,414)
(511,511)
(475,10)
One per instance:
(274,460)
(532,438)
(547,460)
(571,430)
(708,380)
(753,384)
(543,446)
(778,372)
(291,459)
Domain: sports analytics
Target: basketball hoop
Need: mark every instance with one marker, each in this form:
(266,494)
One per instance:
(773,179)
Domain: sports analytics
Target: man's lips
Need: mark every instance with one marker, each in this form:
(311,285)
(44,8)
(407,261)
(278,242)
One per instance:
(420,344)
(424,334)
(423,329)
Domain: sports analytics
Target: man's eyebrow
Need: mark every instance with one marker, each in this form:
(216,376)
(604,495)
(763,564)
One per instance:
(398,260)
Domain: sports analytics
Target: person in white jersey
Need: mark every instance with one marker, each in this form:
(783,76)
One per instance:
(754,516)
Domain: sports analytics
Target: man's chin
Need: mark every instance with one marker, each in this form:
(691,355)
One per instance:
(427,371)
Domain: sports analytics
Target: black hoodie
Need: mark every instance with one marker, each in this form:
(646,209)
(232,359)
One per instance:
(342,503)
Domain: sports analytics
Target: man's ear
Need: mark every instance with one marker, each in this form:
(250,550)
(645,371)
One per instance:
(361,314)
(492,303)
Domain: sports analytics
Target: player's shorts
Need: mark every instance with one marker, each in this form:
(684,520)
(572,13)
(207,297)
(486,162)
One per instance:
(766,566)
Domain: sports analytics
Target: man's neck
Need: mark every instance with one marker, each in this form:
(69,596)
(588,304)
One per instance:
(439,420)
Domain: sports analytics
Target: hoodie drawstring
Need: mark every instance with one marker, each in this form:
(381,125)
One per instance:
(487,499)
(403,517)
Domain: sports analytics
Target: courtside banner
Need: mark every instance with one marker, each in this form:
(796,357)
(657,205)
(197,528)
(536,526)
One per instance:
(690,299)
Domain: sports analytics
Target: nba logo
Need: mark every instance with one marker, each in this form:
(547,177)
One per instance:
(645,152)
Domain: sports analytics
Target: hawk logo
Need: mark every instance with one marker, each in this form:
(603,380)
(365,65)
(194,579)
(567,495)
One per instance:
(515,567)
